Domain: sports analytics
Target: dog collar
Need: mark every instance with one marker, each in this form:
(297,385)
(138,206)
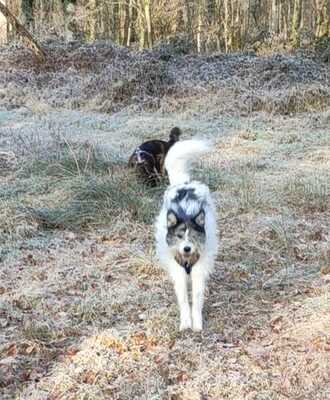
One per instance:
(187,267)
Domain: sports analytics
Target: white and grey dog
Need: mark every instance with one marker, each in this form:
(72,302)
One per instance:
(186,231)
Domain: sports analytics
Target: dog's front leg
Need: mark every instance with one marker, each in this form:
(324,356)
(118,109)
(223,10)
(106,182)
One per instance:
(181,290)
(198,289)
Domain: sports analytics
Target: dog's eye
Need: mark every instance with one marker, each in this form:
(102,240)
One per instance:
(179,235)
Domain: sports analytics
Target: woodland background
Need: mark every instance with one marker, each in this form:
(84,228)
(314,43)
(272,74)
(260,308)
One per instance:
(203,25)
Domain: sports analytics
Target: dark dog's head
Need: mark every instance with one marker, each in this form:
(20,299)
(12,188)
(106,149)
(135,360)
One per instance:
(142,157)
(145,165)
(186,237)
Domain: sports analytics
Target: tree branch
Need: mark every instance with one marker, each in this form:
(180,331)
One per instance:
(25,35)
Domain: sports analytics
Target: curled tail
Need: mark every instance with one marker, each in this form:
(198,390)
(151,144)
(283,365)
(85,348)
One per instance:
(179,158)
(175,134)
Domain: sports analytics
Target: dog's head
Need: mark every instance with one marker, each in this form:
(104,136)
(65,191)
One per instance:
(141,157)
(186,237)
(143,162)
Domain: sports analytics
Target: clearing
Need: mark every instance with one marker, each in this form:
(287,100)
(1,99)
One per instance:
(85,312)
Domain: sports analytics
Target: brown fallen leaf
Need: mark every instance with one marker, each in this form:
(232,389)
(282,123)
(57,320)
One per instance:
(10,351)
(72,351)
(88,377)
(277,324)
(182,377)
(325,270)
(30,349)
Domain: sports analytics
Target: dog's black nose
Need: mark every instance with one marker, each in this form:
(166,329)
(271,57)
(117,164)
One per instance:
(187,249)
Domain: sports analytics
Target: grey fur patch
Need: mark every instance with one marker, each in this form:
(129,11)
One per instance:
(200,219)
(187,194)
(171,219)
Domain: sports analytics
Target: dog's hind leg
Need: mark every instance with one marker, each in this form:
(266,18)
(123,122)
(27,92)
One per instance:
(198,288)
(181,290)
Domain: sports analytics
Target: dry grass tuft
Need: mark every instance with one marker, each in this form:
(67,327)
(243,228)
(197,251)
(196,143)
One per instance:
(312,193)
(99,200)
(67,159)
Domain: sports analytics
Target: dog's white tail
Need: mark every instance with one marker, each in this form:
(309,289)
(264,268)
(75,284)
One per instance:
(179,157)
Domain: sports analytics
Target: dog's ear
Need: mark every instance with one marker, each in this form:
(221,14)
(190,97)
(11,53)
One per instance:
(172,219)
(200,219)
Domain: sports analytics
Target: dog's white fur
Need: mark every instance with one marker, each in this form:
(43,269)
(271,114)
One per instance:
(177,164)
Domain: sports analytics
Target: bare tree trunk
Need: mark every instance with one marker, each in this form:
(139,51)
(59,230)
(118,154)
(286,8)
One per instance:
(218,24)
(226,25)
(3,27)
(147,12)
(296,17)
(279,18)
(232,25)
(130,20)
(274,17)
(26,14)
(323,18)
(188,19)
(90,21)
(141,22)
(68,9)
(285,15)
(24,34)
(126,23)
(199,27)
(237,28)
(145,24)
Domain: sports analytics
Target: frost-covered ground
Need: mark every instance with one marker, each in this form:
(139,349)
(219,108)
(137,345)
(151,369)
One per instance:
(85,312)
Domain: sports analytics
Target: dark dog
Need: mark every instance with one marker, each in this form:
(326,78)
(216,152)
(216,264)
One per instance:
(148,158)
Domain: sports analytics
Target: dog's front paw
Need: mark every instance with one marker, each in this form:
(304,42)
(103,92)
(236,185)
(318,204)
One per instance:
(185,323)
(197,324)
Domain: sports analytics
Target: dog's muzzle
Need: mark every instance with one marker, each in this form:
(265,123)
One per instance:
(139,156)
